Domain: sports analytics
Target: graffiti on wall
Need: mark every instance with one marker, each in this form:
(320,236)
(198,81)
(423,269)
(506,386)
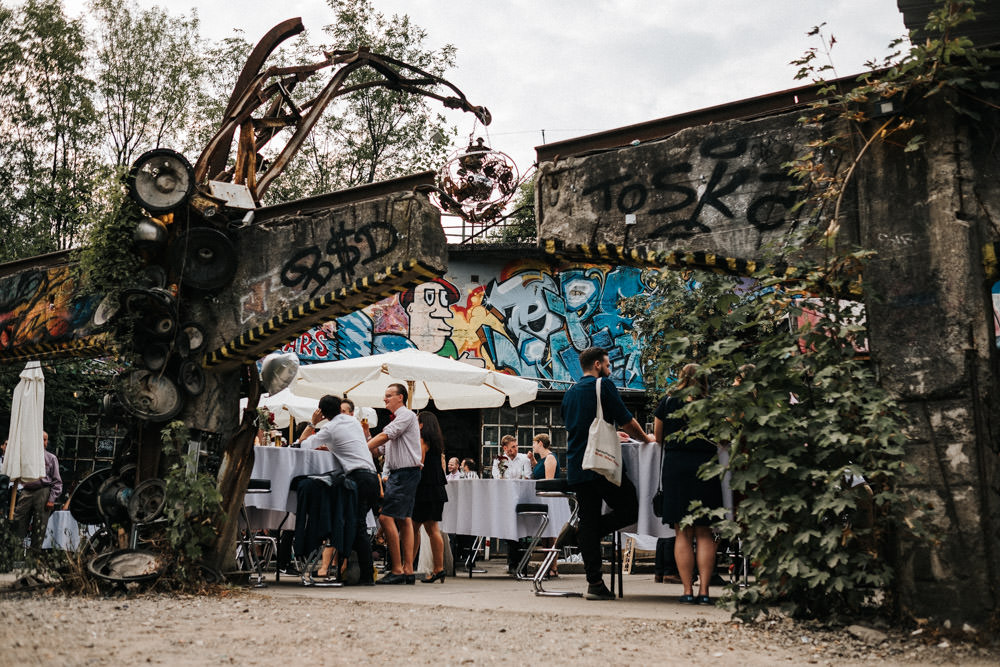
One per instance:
(41,306)
(995,294)
(529,319)
(686,200)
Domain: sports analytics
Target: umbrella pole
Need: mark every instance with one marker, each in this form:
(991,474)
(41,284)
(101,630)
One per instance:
(13,499)
(409,399)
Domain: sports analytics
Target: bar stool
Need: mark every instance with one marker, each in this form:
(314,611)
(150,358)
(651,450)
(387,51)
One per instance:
(556,488)
(470,560)
(540,510)
(247,545)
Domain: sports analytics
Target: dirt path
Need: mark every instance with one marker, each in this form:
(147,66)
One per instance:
(340,626)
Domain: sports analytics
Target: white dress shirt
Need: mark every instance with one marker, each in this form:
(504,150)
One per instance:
(345,438)
(518,468)
(403,448)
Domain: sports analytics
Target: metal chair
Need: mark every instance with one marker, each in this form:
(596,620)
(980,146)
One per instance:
(540,510)
(246,546)
(556,488)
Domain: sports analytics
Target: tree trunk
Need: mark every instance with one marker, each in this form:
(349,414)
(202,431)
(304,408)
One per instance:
(234,476)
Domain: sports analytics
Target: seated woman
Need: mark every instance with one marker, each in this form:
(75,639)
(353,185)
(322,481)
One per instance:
(547,467)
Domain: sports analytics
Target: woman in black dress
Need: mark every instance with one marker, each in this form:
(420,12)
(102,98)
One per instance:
(681,485)
(431,494)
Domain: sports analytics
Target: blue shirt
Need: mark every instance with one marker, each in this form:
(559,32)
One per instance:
(538,472)
(579,407)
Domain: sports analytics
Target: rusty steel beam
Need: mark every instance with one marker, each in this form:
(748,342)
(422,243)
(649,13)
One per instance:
(216,161)
(754,107)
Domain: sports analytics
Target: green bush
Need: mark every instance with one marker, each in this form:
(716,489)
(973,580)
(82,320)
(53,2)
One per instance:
(807,419)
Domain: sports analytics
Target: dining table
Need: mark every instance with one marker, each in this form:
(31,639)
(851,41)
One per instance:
(280,465)
(63,531)
(488,507)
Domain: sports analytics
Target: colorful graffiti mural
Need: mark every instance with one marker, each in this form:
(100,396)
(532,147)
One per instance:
(995,295)
(42,307)
(530,320)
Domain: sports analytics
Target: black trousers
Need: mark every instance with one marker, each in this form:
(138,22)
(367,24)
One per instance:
(368,495)
(594,525)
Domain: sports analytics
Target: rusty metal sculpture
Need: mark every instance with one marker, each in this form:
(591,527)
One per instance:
(194,241)
(272,90)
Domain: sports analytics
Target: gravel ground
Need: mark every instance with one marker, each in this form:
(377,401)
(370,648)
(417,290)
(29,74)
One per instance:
(236,626)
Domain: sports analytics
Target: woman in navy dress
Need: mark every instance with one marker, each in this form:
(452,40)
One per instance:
(682,457)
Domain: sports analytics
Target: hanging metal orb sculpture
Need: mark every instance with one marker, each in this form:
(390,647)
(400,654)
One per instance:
(477,184)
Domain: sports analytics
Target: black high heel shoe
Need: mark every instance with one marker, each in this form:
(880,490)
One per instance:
(437,576)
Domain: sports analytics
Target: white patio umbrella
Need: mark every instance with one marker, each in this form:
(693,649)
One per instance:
(451,384)
(25,457)
(286,406)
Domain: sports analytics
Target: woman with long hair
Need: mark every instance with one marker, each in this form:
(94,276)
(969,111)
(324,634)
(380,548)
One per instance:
(431,494)
(682,457)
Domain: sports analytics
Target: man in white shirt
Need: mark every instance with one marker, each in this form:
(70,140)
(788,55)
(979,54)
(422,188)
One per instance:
(401,437)
(510,464)
(343,437)
(453,470)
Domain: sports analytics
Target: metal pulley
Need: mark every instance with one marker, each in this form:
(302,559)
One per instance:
(149,396)
(161,180)
(112,499)
(106,310)
(157,307)
(204,258)
(126,566)
(190,339)
(83,502)
(147,501)
(191,378)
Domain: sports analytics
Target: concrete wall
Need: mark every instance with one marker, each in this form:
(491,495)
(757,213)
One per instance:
(928,214)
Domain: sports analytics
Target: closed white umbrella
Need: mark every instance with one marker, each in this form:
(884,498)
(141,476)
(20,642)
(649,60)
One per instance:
(25,457)
(451,384)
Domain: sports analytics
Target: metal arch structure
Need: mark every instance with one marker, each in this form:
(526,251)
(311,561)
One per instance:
(271,90)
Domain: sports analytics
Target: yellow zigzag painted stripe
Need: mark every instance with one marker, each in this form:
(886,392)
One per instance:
(91,346)
(647,258)
(287,326)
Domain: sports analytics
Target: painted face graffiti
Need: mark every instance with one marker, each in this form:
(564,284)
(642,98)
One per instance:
(428,310)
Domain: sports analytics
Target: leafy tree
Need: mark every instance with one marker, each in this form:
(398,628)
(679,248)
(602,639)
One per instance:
(49,165)
(386,133)
(149,69)
(520,225)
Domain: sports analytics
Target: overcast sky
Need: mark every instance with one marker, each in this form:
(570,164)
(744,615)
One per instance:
(573,67)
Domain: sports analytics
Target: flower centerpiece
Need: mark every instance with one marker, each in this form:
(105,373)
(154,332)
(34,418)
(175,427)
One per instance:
(502,463)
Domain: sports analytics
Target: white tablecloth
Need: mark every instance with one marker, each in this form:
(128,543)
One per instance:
(642,464)
(486,507)
(63,532)
(281,465)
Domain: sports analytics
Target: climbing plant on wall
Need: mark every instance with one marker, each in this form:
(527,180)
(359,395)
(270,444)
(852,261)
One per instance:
(815,446)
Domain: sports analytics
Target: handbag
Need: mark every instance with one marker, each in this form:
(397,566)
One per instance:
(658,496)
(604,448)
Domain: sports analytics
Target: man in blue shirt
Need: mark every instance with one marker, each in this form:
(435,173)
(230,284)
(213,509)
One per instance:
(579,408)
